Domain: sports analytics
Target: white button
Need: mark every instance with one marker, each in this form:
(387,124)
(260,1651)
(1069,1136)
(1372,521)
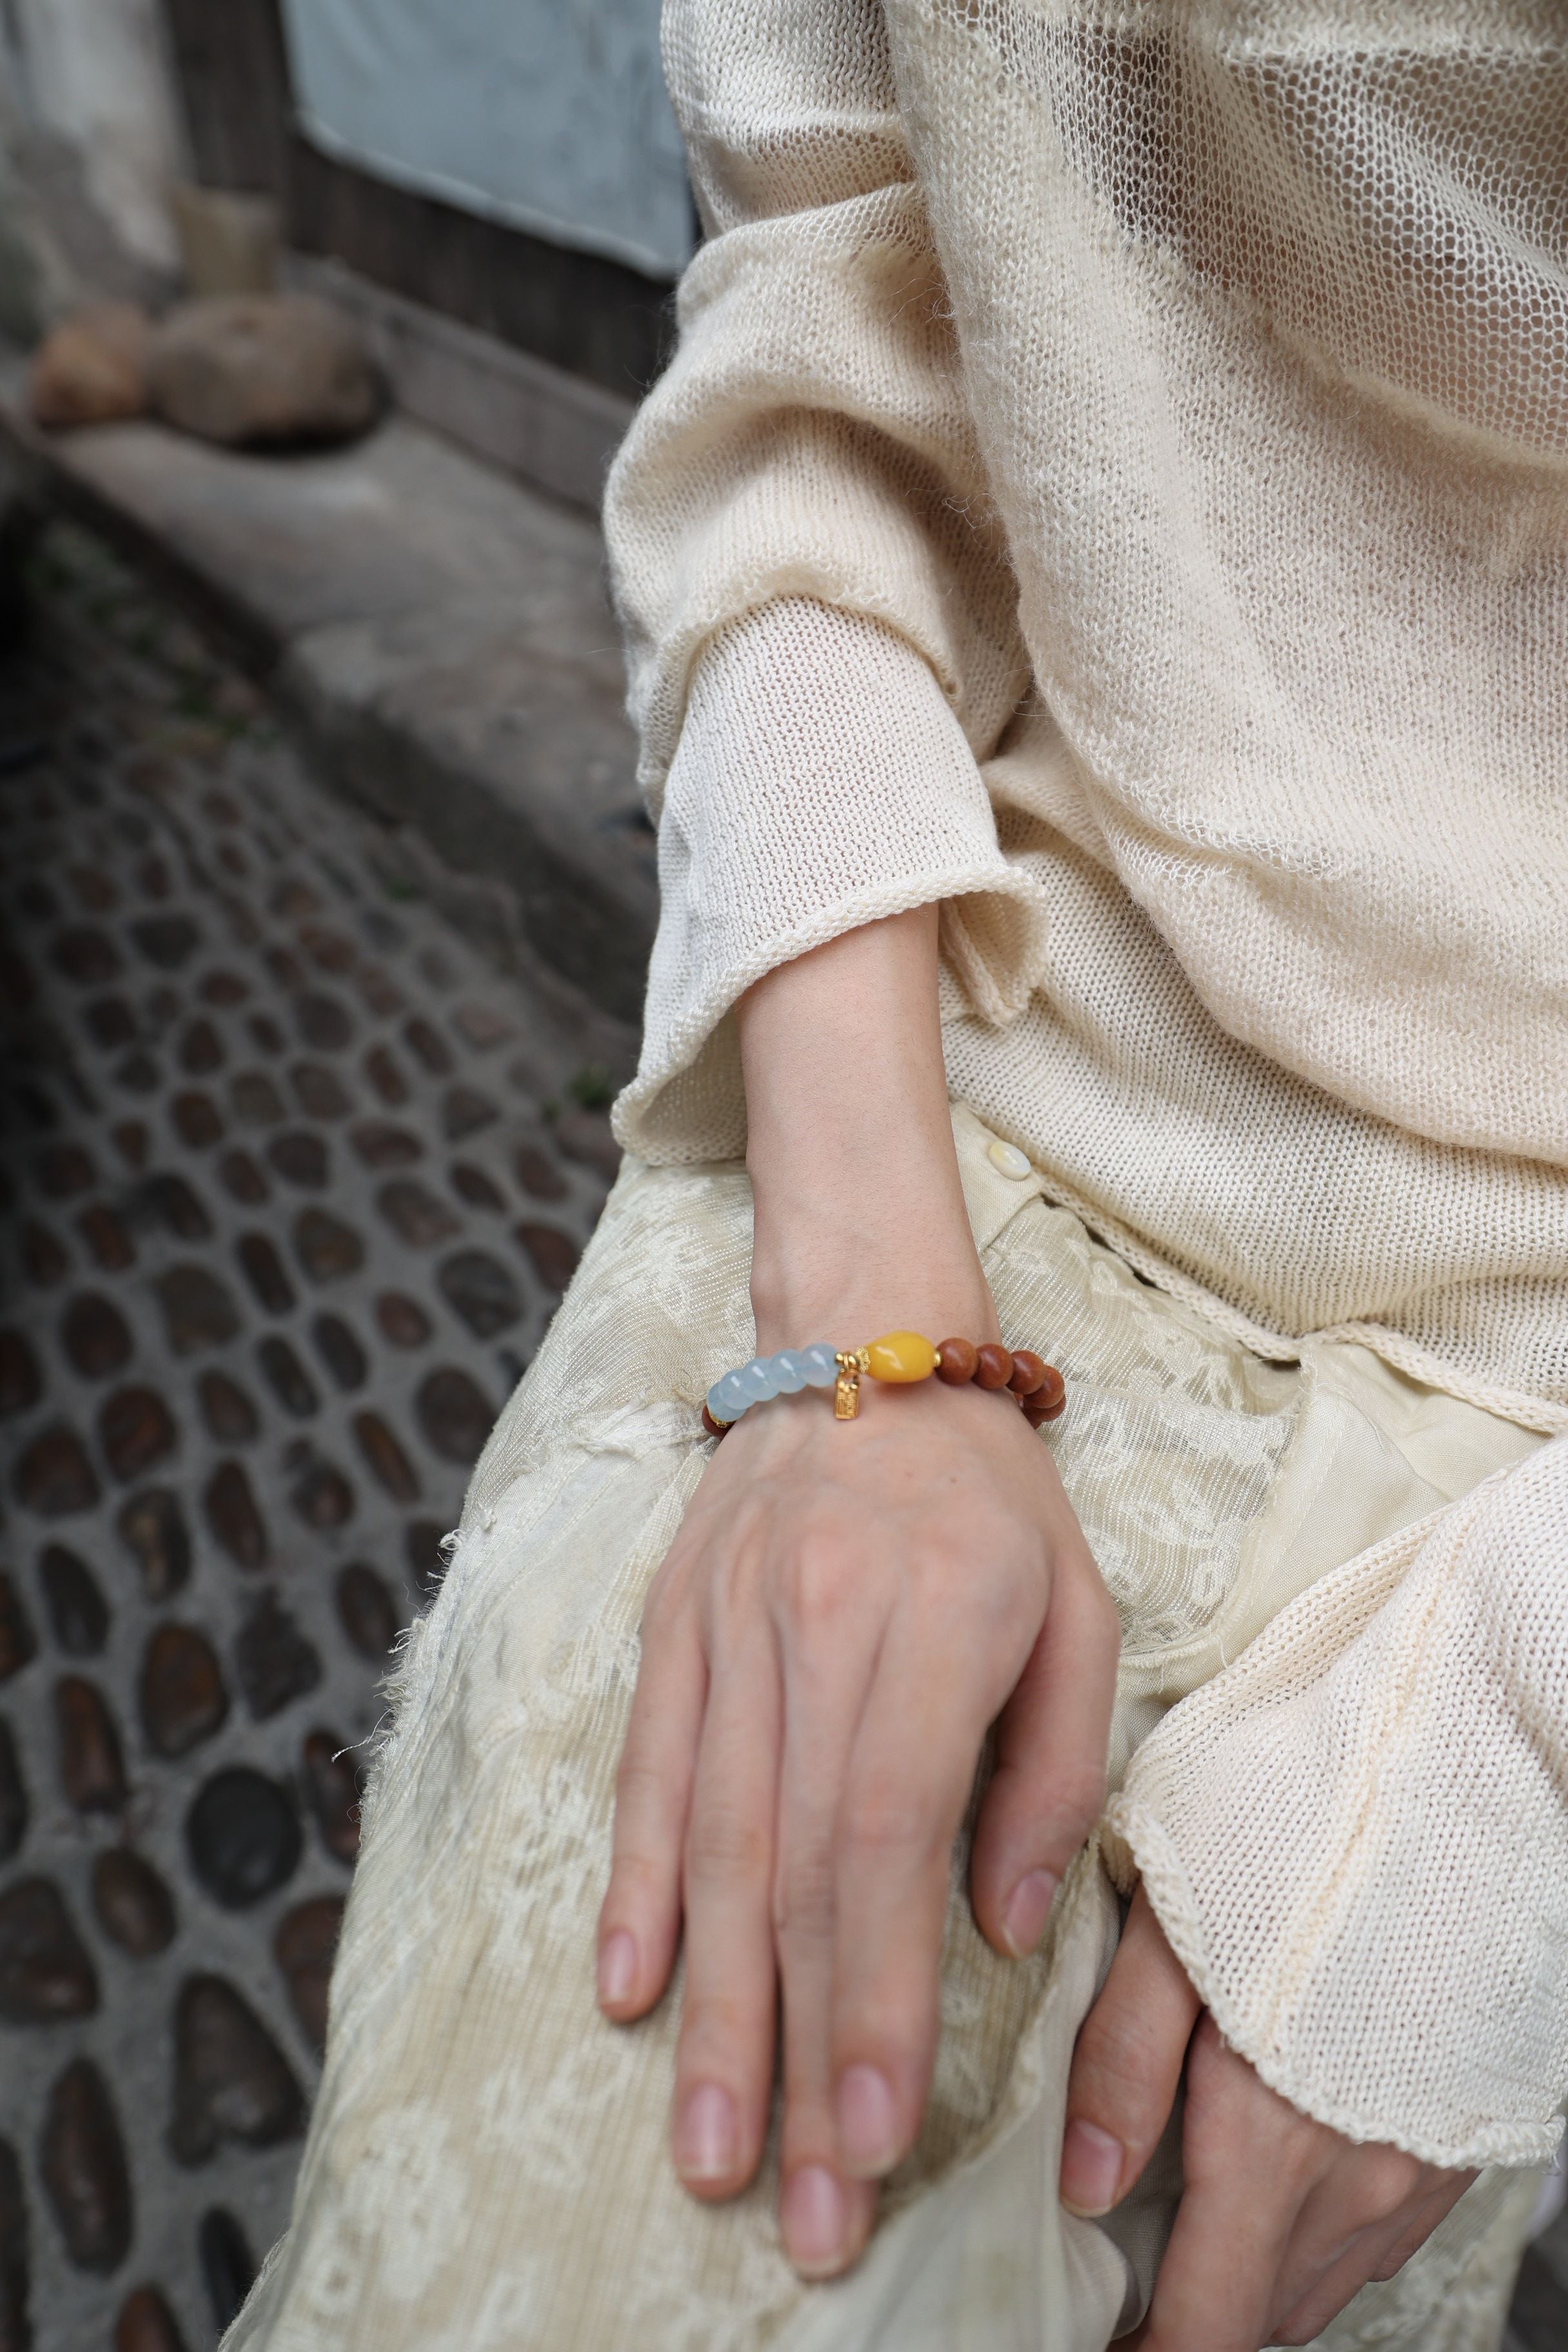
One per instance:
(1008,1157)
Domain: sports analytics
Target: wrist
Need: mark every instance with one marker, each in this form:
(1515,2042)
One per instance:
(856,1269)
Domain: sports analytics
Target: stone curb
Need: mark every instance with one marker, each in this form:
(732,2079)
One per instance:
(437,633)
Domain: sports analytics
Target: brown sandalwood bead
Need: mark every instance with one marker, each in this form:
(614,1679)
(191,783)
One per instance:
(1049,1400)
(993,1366)
(955,1361)
(714,1428)
(1029,1372)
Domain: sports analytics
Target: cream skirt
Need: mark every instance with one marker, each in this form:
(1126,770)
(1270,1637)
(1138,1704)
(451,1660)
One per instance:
(486,2169)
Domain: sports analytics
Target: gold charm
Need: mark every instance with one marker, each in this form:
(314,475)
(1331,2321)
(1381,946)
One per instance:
(846,1388)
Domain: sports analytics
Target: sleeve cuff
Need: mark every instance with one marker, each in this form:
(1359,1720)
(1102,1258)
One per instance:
(1356,1837)
(821,782)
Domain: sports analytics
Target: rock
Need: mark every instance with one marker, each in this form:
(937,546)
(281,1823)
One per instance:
(198,1310)
(454,1413)
(402,1320)
(340,1351)
(180,1693)
(303,1946)
(228,2267)
(77,1610)
(320,1094)
(93,368)
(428,1045)
(201,1049)
(472,1185)
(95,1336)
(299,1158)
(228,1412)
(54,1476)
(146,2324)
(86,955)
(106,1237)
(18,1642)
(16,2264)
(264,1272)
(553,1253)
(241,1178)
(43,1260)
(380,1144)
(325,1247)
(259,368)
(231,2080)
(332,1790)
(288,1379)
(166,940)
(169,1202)
(65,1169)
(44,1972)
(153,1525)
(113,1023)
(243,1836)
(585,1136)
(479,1288)
(81,2159)
(323,1022)
(367,1610)
(13,1806)
(463,1111)
(274,1661)
(199,1122)
(381,1069)
(537,1174)
(139,1074)
(135,1430)
(20,1382)
(320,1493)
(232,1515)
(415,1214)
(92,1771)
(386,1459)
(133,1904)
(482,1027)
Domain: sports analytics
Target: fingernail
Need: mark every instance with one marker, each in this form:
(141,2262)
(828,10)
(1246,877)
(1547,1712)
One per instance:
(1029,1908)
(868,2124)
(1091,2169)
(617,1969)
(707,2137)
(812,2216)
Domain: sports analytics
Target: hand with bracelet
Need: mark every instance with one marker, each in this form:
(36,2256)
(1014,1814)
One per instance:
(848,1608)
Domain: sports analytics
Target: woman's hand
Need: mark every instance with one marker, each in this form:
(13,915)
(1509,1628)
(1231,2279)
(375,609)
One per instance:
(1281,2220)
(846,1610)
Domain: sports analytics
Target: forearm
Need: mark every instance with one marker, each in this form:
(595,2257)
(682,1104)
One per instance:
(860,1221)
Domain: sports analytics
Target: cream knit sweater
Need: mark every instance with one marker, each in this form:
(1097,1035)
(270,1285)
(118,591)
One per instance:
(1114,481)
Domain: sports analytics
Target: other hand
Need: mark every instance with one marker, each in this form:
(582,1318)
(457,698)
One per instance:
(1281,2220)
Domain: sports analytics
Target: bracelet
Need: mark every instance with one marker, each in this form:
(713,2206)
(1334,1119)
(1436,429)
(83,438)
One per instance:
(900,1357)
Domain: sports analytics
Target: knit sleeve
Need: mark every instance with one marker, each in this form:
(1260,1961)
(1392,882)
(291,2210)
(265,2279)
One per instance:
(818,607)
(1356,1836)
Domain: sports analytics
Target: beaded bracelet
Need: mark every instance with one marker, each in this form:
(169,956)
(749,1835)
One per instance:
(899,1356)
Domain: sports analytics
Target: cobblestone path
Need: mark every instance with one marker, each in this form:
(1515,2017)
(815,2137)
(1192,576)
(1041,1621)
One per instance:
(292,1182)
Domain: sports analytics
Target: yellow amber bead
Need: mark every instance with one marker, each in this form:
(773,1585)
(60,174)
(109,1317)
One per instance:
(900,1356)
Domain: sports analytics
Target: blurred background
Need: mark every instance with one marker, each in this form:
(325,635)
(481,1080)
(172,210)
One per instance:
(326,900)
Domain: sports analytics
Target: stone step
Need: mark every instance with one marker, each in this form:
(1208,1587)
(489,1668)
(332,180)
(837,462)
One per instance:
(439,633)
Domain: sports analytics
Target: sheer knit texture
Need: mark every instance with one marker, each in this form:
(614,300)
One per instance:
(1113,481)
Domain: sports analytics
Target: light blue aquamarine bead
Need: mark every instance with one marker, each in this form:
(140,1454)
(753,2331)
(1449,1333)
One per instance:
(818,1363)
(788,1371)
(757,1379)
(727,1399)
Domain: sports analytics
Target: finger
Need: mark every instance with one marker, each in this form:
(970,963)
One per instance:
(639,1919)
(1048,1786)
(824,2215)
(723,2066)
(1363,2222)
(1250,2163)
(909,1779)
(1127,2066)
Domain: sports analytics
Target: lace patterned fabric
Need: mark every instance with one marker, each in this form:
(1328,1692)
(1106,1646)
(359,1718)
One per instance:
(486,2168)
